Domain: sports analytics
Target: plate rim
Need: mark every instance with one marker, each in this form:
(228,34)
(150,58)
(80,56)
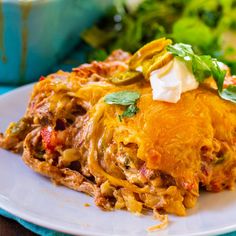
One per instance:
(16,210)
(51,226)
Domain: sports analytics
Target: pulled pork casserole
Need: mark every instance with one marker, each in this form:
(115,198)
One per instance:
(99,130)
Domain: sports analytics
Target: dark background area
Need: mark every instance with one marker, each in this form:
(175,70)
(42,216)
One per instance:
(11,228)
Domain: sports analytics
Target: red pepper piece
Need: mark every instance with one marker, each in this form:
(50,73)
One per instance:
(49,137)
(42,78)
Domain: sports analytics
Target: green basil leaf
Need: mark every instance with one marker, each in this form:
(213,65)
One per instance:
(180,49)
(229,93)
(124,98)
(218,75)
(130,111)
(200,67)
(203,67)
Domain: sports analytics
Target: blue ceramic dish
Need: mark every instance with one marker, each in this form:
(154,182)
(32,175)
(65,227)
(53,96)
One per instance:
(36,34)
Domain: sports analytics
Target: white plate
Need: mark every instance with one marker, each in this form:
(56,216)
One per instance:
(35,199)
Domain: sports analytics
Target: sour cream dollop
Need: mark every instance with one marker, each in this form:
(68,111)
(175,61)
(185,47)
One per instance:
(170,81)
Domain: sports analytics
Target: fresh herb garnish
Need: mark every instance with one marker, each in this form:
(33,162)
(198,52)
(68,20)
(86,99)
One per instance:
(208,25)
(124,98)
(130,111)
(229,93)
(203,67)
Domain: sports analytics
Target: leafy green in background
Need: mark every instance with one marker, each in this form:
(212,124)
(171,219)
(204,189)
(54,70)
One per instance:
(209,25)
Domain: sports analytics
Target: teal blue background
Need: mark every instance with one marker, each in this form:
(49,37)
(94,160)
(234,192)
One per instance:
(53,29)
